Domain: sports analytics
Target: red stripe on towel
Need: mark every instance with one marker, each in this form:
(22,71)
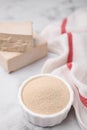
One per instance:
(63,26)
(83,100)
(70,54)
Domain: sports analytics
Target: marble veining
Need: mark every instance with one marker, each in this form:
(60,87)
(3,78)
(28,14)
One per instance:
(40,12)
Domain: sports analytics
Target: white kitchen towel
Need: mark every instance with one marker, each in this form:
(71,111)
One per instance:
(68,40)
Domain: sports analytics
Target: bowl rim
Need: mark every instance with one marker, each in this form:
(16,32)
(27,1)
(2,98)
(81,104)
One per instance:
(44,115)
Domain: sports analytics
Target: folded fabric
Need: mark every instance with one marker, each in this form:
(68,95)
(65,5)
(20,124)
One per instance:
(68,40)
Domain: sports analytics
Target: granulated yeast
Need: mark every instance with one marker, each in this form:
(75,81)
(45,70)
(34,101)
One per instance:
(45,95)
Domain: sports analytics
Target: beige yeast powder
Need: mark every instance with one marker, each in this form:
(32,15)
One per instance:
(45,95)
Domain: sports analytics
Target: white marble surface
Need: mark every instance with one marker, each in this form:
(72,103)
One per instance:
(41,12)
(11,116)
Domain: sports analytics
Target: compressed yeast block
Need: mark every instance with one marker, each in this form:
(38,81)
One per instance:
(12,61)
(16,36)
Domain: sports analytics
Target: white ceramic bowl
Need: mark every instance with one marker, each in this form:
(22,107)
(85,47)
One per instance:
(46,120)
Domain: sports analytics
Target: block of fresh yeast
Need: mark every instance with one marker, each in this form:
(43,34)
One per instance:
(12,61)
(16,36)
